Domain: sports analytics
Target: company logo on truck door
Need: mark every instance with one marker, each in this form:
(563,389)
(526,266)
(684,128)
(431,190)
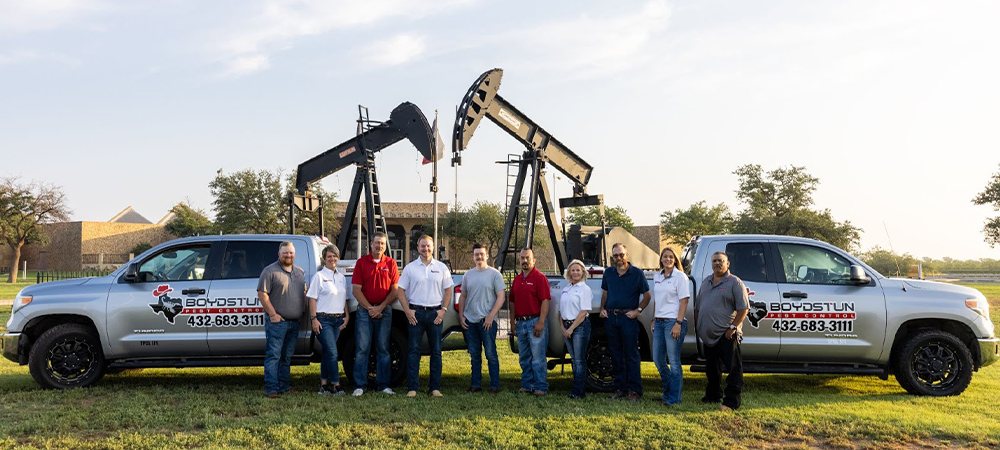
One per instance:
(805,317)
(208,312)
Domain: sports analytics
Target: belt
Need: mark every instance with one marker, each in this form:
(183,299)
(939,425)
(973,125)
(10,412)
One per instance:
(528,317)
(426,308)
(619,312)
(335,316)
(569,323)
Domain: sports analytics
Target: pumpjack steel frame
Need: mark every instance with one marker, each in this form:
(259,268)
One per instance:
(405,121)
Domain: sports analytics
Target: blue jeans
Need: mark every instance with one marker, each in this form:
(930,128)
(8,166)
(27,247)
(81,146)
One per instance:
(364,325)
(280,338)
(425,325)
(479,339)
(531,355)
(623,342)
(328,335)
(577,347)
(667,356)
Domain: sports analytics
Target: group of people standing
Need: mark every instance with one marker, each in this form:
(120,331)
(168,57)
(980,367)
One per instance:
(424,290)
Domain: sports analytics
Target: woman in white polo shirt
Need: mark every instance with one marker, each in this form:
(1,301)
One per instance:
(671,292)
(574,308)
(327,294)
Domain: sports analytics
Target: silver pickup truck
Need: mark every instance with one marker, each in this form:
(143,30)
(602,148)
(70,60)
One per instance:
(190,302)
(814,308)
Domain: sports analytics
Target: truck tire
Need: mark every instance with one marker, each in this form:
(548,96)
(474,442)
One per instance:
(600,368)
(66,356)
(933,362)
(398,350)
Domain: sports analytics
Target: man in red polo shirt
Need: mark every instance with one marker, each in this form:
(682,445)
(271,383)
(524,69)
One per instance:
(530,295)
(375,277)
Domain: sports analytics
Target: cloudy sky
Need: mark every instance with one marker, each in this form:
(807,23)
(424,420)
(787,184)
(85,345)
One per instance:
(891,104)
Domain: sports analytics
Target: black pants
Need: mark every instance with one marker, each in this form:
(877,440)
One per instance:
(724,356)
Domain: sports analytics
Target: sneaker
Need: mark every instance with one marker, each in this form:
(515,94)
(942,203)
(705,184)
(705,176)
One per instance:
(618,395)
(387,391)
(411,394)
(575,397)
(523,391)
(338,391)
(436,393)
(539,393)
(325,389)
(358,392)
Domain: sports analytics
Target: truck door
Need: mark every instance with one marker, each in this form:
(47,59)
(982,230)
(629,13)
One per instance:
(152,317)
(821,315)
(234,311)
(750,262)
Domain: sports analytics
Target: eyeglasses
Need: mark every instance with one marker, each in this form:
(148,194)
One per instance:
(617,255)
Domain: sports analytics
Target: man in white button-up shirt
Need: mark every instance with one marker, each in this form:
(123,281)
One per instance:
(425,295)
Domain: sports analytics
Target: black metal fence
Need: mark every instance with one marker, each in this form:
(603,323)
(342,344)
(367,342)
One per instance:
(54,275)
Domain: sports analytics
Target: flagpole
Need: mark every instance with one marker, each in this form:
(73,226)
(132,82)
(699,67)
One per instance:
(434,186)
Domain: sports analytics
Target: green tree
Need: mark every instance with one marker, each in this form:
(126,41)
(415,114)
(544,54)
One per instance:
(991,196)
(615,216)
(249,201)
(24,209)
(777,202)
(188,221)
(680,225)
(889,263)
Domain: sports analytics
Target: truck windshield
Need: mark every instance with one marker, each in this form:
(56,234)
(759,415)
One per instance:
(688,257)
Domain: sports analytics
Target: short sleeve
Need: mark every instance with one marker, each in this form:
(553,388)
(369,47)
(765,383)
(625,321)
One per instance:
(446,281)
(393,273)
(404,280)
(498,284)
(542,288)
(264,282)
(313,290)
(740,300)
(604,280)
(683,287)
(358,277)
(643,282)
(586,298)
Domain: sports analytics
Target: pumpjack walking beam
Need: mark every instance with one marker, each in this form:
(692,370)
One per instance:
(482,100)
(405,121)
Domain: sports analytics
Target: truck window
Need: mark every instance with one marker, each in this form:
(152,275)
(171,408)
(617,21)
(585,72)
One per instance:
(688,256)
(746,260)
(246,259)
(805,264)
(176,264)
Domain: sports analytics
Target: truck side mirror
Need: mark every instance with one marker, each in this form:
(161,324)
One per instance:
(858,275)
(131,273)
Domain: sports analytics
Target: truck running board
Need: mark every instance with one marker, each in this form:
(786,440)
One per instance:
(197,362)
(808,369)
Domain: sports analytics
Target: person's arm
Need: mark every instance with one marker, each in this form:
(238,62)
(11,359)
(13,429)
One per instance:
(445,303)
(740,315)
(496,310)
(460,306)
(604,301)
(265,302)
(542,291)
(316,326)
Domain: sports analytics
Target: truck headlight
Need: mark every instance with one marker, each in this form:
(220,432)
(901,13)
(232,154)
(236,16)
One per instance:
(19,302)
(980,306)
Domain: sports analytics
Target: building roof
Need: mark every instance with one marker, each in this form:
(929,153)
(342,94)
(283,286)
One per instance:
(129,215)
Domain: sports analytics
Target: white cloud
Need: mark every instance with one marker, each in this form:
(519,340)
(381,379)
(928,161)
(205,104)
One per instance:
(21,16)
(396,50)
(280,22)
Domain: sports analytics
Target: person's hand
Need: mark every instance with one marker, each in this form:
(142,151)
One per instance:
(488,323)
(538,329)
(316,326)
(440,316)
(462,322)
(675,331)
(604,313)
(652,326)
(277,318)
(411,316)
(730,332)
(632,314)
(567,333)
(344,325)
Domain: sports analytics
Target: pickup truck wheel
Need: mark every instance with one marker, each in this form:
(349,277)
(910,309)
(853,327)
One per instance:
(600,368)
(933,363)
(66,356)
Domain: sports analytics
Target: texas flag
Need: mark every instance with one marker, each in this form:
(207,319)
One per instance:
(438,150)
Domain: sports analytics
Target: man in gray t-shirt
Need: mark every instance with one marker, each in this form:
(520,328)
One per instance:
(719,310)
(282,292)
(482,297)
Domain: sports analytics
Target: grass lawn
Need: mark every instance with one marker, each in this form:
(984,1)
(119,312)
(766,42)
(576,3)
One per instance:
(168,408)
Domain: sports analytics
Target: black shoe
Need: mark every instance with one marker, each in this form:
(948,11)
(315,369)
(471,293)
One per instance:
(338,390)
(325,389)
(709,400)
(634,396)
(576,397)
(618,395)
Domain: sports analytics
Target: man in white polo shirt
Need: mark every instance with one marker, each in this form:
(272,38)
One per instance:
(425,294)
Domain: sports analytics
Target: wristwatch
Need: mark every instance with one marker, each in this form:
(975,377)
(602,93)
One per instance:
(732,327)
(639,309)
(313,317)
(679,322)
